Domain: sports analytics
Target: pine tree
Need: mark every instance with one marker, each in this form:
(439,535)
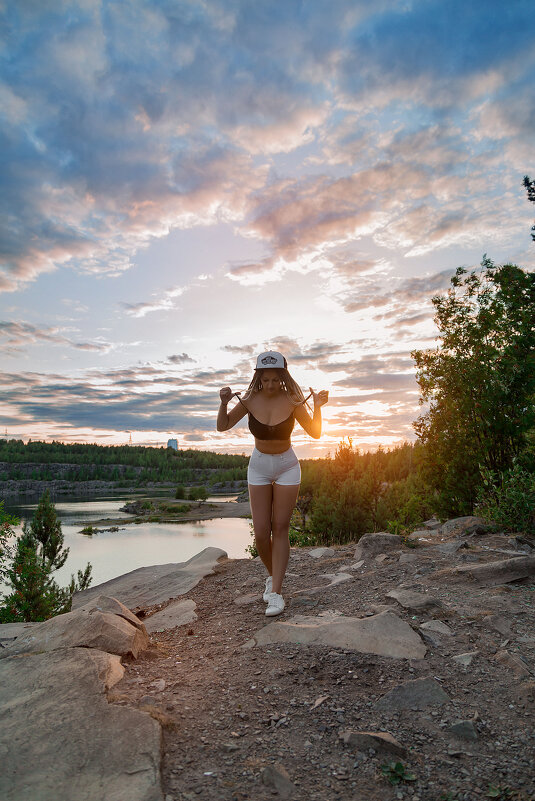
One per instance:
(39,552)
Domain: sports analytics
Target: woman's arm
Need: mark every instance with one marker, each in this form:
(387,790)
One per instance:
(312,425)
(225,419)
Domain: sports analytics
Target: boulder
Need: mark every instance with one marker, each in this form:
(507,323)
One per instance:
(464,730)
(490,574)
(178,613)
(448,548)
(436,626)
(152,585)
(415,601)
(371,545)
(499,624)
(105,603)
(276,776)
(415,694)
(384,634)
(381,741)
(61,739)
(94,629)
(514,663)
(465,525)
(317,553)
(424,534)
(433,524)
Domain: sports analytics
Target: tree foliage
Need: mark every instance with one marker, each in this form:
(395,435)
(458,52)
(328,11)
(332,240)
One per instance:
(479,382)
(530,189)
(7,522)
(355,493)
(39,552)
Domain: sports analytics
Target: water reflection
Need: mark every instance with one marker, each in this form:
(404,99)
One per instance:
(136,545)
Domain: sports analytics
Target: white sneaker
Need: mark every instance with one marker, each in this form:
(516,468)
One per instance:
(269,588)
(275,604)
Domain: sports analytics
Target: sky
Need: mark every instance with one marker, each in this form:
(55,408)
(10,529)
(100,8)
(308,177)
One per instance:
(187,184)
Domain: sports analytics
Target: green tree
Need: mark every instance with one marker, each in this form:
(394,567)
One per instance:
(530,188)
(39,552)
(479,382)
(6,533)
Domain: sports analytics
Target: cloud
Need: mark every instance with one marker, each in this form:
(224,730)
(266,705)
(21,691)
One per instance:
(405,297)
(85,405)
(180,358)
(165,303)
(124,122)
(16,335)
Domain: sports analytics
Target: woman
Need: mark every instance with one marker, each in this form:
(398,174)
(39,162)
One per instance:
(273,402)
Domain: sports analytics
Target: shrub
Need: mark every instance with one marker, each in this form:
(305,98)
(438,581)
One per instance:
(180,492)
(508,499)
(198,494)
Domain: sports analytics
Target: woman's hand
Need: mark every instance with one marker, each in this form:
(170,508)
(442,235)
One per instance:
(225,394)
(320,398)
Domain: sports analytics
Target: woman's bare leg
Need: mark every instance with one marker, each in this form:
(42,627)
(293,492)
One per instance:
(284,499)
(261,498)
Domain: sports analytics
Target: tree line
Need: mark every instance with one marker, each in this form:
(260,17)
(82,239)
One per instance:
(125,465)
(15,450)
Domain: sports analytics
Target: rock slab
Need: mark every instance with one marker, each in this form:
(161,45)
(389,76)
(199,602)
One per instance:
(178,613)
(94,629)
(61,739)
(317,553)
(415,694)
(147,586)
(464,730)
(371,545)
(466,524)
(384,634)
(276,776)
(415,601)
(490,574)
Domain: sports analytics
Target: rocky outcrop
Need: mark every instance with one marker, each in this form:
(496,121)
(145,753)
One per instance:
(371,545)
(61,739)
(102,630)
(156,584)
(493,573)
(384,634)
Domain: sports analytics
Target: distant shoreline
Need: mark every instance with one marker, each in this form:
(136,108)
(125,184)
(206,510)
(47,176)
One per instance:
(203,510)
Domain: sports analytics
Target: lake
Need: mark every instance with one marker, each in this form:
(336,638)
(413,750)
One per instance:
(135,545)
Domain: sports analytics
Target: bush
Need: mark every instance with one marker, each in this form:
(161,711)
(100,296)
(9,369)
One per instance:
(508,499)
(89,531)
(198,494)
(180,492)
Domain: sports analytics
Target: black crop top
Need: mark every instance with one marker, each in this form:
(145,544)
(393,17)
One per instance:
(260,430)
(282,430)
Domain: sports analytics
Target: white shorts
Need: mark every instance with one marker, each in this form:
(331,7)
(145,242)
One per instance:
(269,468)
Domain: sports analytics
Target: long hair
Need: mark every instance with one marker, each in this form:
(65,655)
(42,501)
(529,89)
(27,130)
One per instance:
(291,387)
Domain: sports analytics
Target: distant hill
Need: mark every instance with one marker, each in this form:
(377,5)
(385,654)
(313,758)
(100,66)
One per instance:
(48,461)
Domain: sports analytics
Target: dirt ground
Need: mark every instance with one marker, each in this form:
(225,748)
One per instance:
(229,711)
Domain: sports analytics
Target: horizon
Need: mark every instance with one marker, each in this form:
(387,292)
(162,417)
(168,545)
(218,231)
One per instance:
(190,185)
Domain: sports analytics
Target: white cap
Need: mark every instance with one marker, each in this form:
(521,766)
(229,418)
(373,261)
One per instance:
(270,359)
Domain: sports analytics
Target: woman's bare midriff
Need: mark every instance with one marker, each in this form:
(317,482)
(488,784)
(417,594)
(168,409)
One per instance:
(272,445)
